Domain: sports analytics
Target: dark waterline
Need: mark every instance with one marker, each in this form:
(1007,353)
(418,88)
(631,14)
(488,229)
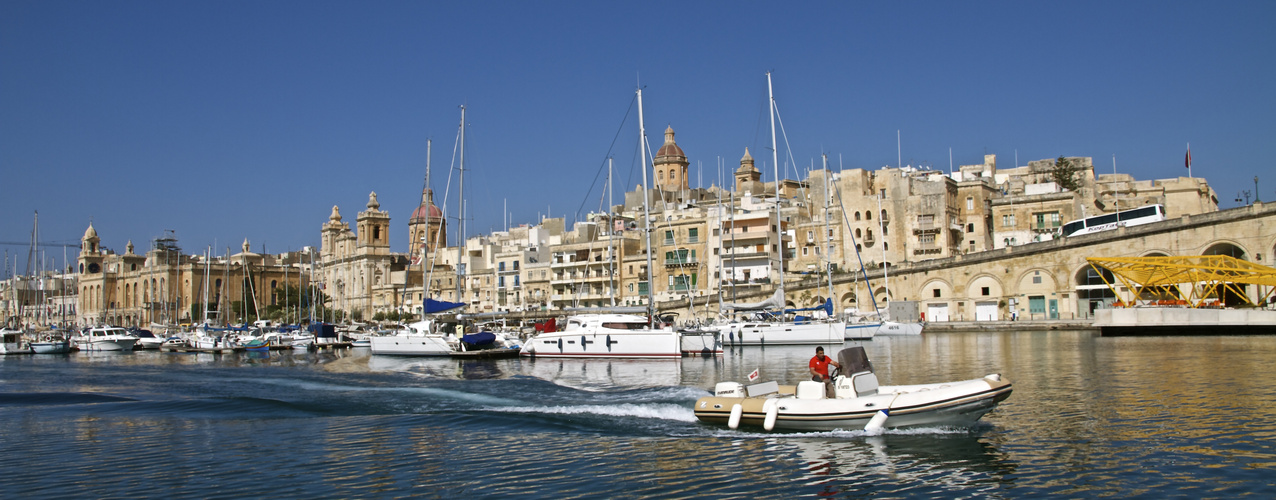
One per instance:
(1090,416)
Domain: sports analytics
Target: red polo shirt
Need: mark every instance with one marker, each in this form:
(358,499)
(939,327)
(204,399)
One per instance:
(820,367)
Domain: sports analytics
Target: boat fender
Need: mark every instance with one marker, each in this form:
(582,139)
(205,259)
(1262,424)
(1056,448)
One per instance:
(609,343)
(736,412)
(772,412)
(876,423)
(582,343)
(560,344)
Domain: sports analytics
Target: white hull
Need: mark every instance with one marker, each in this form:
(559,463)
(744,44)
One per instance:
(605,336)
(107,344)
(858,403)
(861,331)
(701,343)
(51,347)
(411,345)
(894,328)
(785,333)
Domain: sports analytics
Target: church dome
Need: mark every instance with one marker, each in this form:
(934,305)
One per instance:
(427,209)
(670,152)
(90,232)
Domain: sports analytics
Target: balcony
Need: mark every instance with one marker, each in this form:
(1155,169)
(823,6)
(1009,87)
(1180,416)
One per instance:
(681,262)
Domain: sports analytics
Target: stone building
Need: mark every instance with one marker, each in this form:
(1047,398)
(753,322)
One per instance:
(357,267)
(166,287)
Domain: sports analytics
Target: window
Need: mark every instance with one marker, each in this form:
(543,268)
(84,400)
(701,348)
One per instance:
(693,235)
(810,236)
(1036,277)
(857,216)
(805,251)
(516,265)
(669,237)
(926,239)
(1008,220)
(868,215)
(926,221)
(984,291)
(500,266)
(936,291)
(970,203)
(970,228)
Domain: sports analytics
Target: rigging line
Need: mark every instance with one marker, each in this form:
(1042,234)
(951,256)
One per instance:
(610,148)
(788,151)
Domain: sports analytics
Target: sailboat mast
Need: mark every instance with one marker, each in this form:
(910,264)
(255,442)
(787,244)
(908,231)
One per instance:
(611,233)
(460,219)
(824,238)
(775,164)
(646,211)
(886,268)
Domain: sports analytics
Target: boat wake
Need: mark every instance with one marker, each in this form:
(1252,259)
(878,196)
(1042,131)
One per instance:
(676,412)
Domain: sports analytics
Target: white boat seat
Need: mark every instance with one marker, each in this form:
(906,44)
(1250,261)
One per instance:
(764,388)
(810,389)
(865,383)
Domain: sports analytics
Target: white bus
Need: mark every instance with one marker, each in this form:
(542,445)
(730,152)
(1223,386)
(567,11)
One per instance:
(1133,217)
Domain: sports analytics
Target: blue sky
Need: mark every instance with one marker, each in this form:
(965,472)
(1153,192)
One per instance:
(231,120)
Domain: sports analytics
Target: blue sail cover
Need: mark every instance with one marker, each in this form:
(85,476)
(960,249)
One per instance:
(480,338)
(827,306)
(432,306)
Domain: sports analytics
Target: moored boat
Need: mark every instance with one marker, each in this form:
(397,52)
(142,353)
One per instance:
(606,336)
(11,342)
(858,402)
(54,342)
(106,338)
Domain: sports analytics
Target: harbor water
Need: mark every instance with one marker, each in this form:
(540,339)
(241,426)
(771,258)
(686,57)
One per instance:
(1090,416)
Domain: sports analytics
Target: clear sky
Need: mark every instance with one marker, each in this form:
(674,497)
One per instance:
(250,119)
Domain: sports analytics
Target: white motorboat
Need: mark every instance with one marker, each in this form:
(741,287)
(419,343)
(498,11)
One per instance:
(11,343)
(606,336)
(416,339)
(106,338)
(858,402)
(146,339)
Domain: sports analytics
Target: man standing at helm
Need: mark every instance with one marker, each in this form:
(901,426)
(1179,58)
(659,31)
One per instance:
(820,366)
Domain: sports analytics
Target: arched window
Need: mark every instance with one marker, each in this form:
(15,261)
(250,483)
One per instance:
(857,216)
(868,215)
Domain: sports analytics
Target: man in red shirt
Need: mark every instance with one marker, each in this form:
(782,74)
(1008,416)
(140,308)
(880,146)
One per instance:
(820,366)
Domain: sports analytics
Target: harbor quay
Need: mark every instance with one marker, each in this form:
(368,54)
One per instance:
(974,245)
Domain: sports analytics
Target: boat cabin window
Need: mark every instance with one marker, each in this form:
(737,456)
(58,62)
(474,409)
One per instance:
(624,326)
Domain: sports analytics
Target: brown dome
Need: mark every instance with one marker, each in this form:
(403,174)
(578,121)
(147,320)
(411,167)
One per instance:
(670,152)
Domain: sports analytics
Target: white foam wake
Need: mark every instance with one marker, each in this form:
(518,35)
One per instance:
(657,411)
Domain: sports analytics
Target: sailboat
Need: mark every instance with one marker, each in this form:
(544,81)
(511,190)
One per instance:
(892,327)
(618,334)
(425,338)
(49,343)
(768,322)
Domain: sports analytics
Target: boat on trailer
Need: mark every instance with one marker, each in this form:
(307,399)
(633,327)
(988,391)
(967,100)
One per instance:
(858,402)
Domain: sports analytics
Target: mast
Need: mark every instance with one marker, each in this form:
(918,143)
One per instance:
(646,212)
(886,273)
(611,233)
(824,238)
(775,164)
(460,219)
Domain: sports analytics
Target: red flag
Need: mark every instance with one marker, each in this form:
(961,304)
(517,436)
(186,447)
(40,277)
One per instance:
(1188,162)
(754,376)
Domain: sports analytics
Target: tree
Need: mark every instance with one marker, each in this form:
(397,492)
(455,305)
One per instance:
(1065,174)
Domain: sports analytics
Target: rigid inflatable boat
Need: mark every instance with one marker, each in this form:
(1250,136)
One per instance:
(858,402)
